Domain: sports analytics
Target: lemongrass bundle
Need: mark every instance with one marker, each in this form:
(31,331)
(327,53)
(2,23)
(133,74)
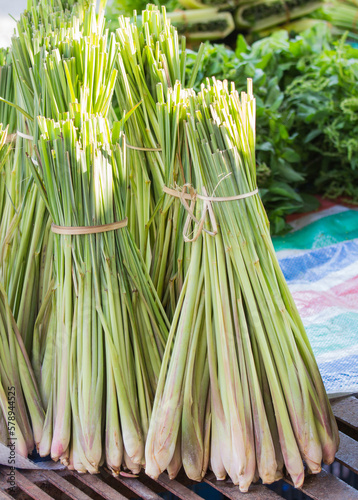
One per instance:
(107,312)
(151,59)
(200,25)
(45,82)
(269,409)
(204,4)
(149,53)
(342,15)
(16,270)
(262,14)
(21,415)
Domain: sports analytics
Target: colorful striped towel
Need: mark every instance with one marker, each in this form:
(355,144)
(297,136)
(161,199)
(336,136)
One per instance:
(319,259)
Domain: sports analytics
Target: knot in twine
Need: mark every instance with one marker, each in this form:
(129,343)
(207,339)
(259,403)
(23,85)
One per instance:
(186,193)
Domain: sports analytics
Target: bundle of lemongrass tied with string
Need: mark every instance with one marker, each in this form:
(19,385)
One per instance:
(230,383)
(239,389)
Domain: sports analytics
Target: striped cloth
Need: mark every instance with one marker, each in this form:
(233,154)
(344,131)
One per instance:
(319,259)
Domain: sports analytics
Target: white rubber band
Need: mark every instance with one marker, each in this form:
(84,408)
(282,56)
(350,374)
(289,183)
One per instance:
(24,136)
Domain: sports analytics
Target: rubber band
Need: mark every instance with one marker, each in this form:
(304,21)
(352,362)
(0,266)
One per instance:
(138,148)
(24,136)
(78,230)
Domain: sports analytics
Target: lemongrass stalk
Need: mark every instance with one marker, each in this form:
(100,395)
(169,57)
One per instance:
(16,371)
(113,443)
(166,416)
(7,113)
(194,400)
(176,462)
(264,441)
(220,441)
(228,375)
(128,464)
(21,446)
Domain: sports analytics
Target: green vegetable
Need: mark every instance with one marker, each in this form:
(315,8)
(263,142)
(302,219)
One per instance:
(263,14)
(103,296)
(195,4)
(21,412)
(151,58)
(25,219)
(103,329)
(236,322)
(203,24)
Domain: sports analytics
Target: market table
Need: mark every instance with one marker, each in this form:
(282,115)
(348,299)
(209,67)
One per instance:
(320,261)
(64,484)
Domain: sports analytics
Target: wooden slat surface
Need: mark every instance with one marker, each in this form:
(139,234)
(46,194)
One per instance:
(346,410)
(347,453)
(60,483)
(324,486)
(178,489)
(227,488)
(30,488)
(140,489)
(4,485)
(99,486)
(4,495)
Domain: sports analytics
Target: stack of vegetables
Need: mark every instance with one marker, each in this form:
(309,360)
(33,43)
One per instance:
(25,223)
(103,302)
(135,207)
(214,20)
(262,14)
(152,56)
(342,16)
(237,361)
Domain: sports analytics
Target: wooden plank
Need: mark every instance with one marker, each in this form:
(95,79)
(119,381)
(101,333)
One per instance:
(4,485)
(176,488)
(324,486)
(346,410)
(138,488)
(99,486)
(230,490)
(347,453)
(5,496)
(30,488)
(60,483)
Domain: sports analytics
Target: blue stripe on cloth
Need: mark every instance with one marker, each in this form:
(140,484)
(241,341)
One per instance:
(314,265)
(340,375)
